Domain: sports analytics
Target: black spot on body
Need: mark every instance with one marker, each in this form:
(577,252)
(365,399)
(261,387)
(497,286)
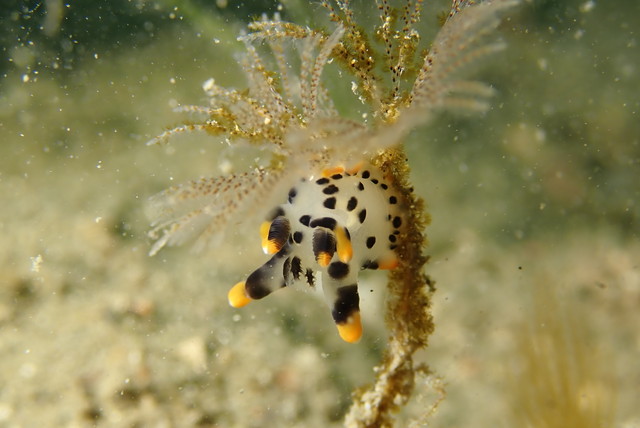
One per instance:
(371,241)
(360,186)
(370,264)
(330,203)
(328,222)
(292,194)
(330,190)
(352,203)
(393,200)
(324,241)
(397,222)
(346,303)
(336,176)
(305,219)
(374,181)
(322,181)
(338,270)
(392,238)
(296,268)
(311,279)
(297,237)
(286,270)
(384,186)
(362,215)
(366,174)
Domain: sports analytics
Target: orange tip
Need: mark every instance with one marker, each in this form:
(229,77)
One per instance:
(351,331)
(264,234)
(343,245)
(356,168)
(324,259)
(331,171)
(389,264)
(238,296)
(272,247)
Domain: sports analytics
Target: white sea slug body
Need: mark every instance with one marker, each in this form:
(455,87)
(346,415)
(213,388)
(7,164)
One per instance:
(338,224)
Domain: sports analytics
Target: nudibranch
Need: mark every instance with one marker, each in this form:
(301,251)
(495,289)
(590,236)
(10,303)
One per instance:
(340,221)
(330,228)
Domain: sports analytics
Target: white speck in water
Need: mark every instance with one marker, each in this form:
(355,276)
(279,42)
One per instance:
(95,55)
(236,317)
(36,262)
(543,64)
(172,80)
(587,6)
(208,85)
(25,78)
(98,219)
(225,166)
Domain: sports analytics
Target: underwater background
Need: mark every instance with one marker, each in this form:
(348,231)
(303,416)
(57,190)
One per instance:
(534,240)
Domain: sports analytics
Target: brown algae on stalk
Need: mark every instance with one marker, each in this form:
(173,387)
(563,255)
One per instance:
(398,82)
